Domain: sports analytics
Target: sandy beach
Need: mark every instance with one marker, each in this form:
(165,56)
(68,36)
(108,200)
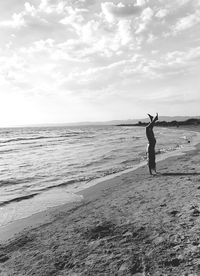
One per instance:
(132,224)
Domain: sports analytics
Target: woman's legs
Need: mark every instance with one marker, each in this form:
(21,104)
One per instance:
(153,120)
(149,128)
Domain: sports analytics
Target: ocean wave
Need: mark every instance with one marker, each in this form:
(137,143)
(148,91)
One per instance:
(137,137)
(97,162)
(19,139)
(7,151)
(23,139)
(129,161)
(68,135)
(63,184)
(17,199)
(168,149)
(110,171)
(10,182)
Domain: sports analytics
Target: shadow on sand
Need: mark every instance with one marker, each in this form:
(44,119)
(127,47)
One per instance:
(177,173)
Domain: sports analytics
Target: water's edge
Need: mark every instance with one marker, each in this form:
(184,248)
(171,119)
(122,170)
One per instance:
(74,192)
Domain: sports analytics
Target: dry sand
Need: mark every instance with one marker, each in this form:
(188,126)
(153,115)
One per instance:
(133,224)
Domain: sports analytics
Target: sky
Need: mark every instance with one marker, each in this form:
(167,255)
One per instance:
(89,60)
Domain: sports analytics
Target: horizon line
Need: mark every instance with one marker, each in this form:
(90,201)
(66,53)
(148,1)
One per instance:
(80,123)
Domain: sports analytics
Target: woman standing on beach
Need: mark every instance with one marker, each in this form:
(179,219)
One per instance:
(151,145)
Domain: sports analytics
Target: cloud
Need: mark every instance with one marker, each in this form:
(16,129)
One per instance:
(184,57)
(187,22)
(145,19)
(31,15)
(112,11)
(124,31)
(141,2)
(122,73)
(151,38)
(73,17)
(30,9)
(17,21)
(173,64)
(162,13)
(83,49)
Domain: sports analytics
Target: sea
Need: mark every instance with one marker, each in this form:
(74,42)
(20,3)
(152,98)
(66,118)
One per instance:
(42,167)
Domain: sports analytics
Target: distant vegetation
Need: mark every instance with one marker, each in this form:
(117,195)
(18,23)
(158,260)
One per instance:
(174,123)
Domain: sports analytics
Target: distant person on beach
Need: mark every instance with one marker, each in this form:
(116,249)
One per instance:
(151,155)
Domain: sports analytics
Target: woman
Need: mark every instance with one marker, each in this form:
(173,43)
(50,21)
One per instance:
(151,145)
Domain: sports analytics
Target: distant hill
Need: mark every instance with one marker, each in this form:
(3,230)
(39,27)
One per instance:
(135,121)
(115,122)
(170,118)
(188,122)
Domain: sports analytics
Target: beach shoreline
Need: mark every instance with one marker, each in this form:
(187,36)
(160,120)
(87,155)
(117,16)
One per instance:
(9,230)
(127,201)
(34,184)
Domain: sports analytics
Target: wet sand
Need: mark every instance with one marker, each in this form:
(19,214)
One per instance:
(132,224)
